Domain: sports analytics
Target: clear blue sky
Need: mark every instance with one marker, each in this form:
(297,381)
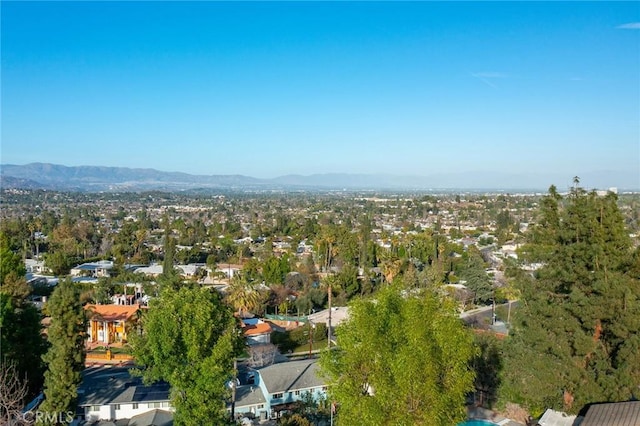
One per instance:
(266,89)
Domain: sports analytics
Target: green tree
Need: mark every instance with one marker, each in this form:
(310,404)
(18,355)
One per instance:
(576,339)
(190,339)
(242,295)
(472,270)
(402,360)
(65,357)
(21,342)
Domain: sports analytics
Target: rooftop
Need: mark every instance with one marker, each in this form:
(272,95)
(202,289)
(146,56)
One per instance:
(115,385)
(113,312)
(291,375)
(613,414)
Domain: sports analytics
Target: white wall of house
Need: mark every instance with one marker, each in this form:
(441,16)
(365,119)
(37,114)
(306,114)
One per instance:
(259,339)
(99,412)
(126,411)
(123,411)
(256,410)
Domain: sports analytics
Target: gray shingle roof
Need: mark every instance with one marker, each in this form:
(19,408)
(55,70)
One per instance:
(152,418)
(613,414)
(249,395)
(114,385)
(292,375)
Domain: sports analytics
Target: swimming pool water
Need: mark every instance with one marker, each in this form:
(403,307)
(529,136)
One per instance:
(477,423)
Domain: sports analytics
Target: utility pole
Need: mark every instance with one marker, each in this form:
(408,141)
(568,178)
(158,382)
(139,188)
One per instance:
(310,340)
(233,390)
(329,323)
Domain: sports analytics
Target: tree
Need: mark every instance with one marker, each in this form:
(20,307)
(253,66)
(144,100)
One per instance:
(575,338)
(21,342)
(294,420)
(13,392)
(65,357)
(262,355)
(190,339)
(402,359)
(242,295)
(472,270)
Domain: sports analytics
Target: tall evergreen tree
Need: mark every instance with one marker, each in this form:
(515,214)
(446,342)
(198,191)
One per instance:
(576,337)
(65,358)
(21,342)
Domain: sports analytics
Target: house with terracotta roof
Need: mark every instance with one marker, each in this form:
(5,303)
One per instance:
(256,331)
(110,323)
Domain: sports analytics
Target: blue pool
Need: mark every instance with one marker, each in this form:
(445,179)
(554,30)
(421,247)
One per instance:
(477,423)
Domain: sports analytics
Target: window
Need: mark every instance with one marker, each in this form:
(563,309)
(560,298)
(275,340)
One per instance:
(117,406)
(297,393)
(154,405)
(324,389)
(135,405)
(260,406)
(277,395)
(165,404)
(95,408)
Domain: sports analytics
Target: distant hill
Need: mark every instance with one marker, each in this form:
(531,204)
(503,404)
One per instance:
(97,178)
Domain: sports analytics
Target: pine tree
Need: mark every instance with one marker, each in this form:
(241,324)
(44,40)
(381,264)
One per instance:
(65,358)
(576,338)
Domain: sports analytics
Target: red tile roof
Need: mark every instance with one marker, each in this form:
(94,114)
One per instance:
(112,312)
(260,328)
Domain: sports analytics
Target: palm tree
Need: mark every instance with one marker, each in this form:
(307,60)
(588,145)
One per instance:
(242,295)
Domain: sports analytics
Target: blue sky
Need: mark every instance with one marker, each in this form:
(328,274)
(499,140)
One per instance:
(266,89)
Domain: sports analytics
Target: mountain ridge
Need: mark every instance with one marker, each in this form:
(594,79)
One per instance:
(108,178)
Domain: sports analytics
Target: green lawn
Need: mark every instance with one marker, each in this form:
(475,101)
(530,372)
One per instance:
(317,345)
(114,350)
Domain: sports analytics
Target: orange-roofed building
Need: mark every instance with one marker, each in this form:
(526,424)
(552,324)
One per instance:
(110,323)
(256,331)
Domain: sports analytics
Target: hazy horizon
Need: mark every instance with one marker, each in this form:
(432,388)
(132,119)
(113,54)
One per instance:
(92,176)
(273,89)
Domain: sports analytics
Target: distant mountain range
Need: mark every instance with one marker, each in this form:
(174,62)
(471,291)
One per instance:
(97,178)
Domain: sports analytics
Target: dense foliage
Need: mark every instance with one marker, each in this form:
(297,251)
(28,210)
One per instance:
(65,357)
(190,340)
(576,340)
(21,342)
(403,359)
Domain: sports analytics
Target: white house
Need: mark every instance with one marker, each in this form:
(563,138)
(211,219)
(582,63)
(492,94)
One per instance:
(95,269)
(36,266)
(110,393)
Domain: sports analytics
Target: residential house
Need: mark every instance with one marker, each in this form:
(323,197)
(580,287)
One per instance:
(35,266)
(95,269)
(228,269)
(613,414)
(110,393)
(133,295)
(557,418)
(152,270)
(110,323)
(256,331)
(282,386)
(123,299)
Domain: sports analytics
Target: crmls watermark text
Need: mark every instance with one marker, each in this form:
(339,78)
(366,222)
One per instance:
(47,417)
